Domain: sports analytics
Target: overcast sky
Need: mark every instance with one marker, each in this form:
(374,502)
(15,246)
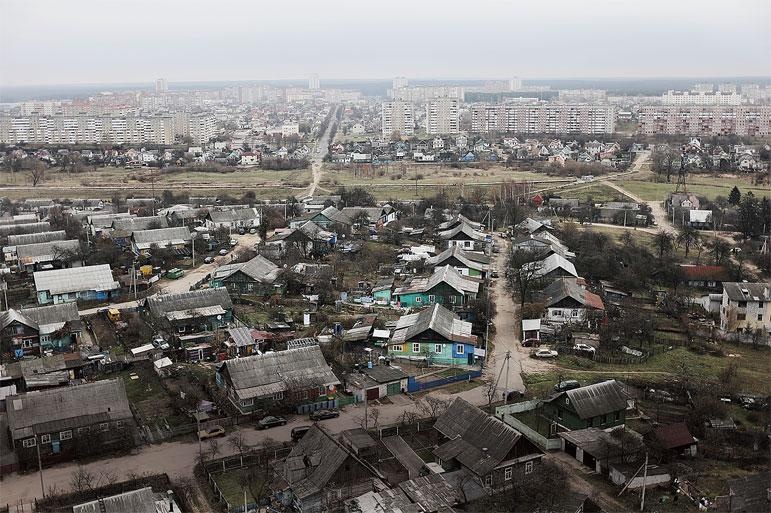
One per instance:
(110,41)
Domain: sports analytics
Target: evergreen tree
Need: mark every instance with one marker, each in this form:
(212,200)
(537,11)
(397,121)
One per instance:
(735,196)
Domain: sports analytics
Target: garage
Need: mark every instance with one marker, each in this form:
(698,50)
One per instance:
(373,393)
(570,448)
(393,389)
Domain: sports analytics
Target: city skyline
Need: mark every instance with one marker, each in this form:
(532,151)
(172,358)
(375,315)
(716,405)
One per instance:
(332,41)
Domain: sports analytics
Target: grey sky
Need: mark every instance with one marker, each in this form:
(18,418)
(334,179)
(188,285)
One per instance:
(102,41)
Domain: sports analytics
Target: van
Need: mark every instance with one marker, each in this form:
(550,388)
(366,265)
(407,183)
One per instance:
(299,432)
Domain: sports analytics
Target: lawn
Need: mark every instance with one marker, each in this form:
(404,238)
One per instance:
(403,174)
(596,193)
(706,187)
(146,387)
(229,484)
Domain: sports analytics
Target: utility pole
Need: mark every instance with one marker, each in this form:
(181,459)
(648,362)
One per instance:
(4,287)
(40,465)
(645,479)
(506,390)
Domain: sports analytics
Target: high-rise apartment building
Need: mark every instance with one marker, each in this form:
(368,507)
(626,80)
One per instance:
(161,86)
(700,98)
(442,116)
(703,120)
(313,82)
(515,84)
(582,96)
(542,118)
(398,116)
(400,82)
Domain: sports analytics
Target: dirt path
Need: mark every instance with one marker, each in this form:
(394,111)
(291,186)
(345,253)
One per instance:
(319,152)
(575,475)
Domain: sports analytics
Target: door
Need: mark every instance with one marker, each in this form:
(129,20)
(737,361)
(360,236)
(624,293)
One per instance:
(393,389)
(373,393)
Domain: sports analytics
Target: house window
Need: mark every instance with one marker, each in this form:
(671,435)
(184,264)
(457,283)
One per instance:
(247,402)
(415,347)
(760,316)
(507,474)
(742,304)
(741,317)
(438,348)
(397,348)
(575,313)
(119,424)
(82,430)
(29,442)
(67,435)
(557,313)
(418,299)
(489,480)
(45,439)
(278,396)
(760,304)
(528,467)
(459,348)
(453,299)
(305,394)
(431,298)
(104,426)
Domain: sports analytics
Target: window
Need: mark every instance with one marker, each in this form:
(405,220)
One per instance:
(29,442)
(453,299)
(459,348)
(45,439)
(507,474)
(67,435)
(437,348)
(82,430)
(278,396)
(557,313)
(247,402)
(489,480)
(305,394)
(742,304)
(397,348)
(418,299)
(741,317)
(528,467)
(575,313)
(415,347)
(760,304)
(104,426)
(431,298)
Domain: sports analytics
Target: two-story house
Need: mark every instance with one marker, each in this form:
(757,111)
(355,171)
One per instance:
(445,286)
(746,307)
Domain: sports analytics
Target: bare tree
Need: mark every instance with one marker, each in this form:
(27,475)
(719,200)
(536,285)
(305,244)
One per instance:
(238,443)
(82,480)
(214,449)
(524,273)
(374,418)
(432,407)
(37,172)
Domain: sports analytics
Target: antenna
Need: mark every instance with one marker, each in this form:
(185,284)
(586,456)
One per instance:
(681,174)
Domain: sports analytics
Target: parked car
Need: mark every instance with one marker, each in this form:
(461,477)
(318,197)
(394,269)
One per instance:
(212,432)
(270,421)
(208,260)
(241,231)
(252,230)
(233,243)
(299,432)
(530,342)
(223,252)
(324,414)
(584,348)
(565,385)
(546,353)
(493,273)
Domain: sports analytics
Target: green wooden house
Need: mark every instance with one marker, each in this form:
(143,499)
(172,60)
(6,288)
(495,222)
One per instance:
(446,287)
(602,405)
(254,277)
(435,335)
(467,263)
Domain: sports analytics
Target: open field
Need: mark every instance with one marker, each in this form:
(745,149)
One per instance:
(704,186)
(596,193)
(435,174)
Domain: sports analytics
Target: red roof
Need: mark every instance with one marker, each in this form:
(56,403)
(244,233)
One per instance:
(593,300)
(705,272)
(672,436)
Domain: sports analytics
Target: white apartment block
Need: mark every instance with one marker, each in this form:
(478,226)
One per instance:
(161,86)
(400,82)
(398,116)
(558,118)
(756,93)
(700,98)
(746,120)
(313,82)
(746,307)
(420,94)
(443,116)
(515,84)
(84,129)
(582,96)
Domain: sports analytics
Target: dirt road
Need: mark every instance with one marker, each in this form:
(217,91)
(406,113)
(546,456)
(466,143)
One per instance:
(319,152)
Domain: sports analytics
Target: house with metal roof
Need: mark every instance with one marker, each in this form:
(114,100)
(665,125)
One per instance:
(31,331)
(298,376)
(496,454)
(746,307)
(468,263)
(602,405)
(143,500)
(465,236)
(54,254)
(70,422)
(88,283)
(35,238)
(188,313)
(552,267)
(255,277)
(566,300)
(434,334)
(6,230)
(174,238)
(445,286)
(233,218)
(376,382)
(321,473)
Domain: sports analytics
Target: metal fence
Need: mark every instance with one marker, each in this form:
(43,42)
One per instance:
(414,385)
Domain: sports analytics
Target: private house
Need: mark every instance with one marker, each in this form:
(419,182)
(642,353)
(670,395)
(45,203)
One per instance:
(467,263)
(705,277)
(673,440)
(88,283)
(143,500)
(532,226)
(495,453)
(377,216)
(321,474)
(602,405)
(57,370)
(295,377)
(70,422)
(101,224)
(619,212)
(190,315)
(684,200)
(172,238)
(381,291)
(124,227)
(435,335)
(329,217)
(138,205)
(746,307)
(245,341)
(567,301)
(254,277)
(58,254)
(239,218)
(6,230)
(36,238)
(458,220)
(543,244)
(445,286)
(284,239)
(700,219)
(32,331)
(552,267)
(464,236)
(376,382)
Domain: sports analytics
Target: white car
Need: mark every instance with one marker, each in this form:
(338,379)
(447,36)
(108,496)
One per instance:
(233,243)
(584,347)
(546,353)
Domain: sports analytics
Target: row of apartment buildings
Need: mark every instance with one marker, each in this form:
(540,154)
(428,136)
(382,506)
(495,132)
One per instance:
(746,121)
(543,118)
(84,128)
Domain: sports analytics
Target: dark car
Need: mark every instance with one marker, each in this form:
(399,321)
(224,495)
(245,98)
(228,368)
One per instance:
(530,342)
(270,421)
(568,384)
(324,414)
(299,432)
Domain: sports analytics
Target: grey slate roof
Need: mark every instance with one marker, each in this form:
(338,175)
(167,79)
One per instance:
(132,224)
(463,229)
(46,251)
(436,318)
(161,304)
(241,336)
(446,274)
(562,288)
(456,220)
(598,399)
(9,316)
(35,238)
(270,373)
(18,229)
(258,268)
(739,291)
(470,431)
(135,501)
(91,277)
(161,236)
(53,314)
(404,454)
(66,407)
(552,263)
(230,216)
(467,258)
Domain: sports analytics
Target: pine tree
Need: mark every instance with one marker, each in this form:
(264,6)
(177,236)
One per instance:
(735,196)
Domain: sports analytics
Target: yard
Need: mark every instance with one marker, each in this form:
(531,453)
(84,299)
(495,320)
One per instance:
(235,486)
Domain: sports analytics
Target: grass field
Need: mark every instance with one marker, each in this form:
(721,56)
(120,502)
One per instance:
(707,187)
(596,193)
(434,174)
(230,485)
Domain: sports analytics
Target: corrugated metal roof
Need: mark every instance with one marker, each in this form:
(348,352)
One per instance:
(76,279)
(47,251)
(258,268)
(18,229)
(36,238)
(230,216)
(598,399)
(132,224)
(160,304)
(161,236)
(464,229)
(135,501)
